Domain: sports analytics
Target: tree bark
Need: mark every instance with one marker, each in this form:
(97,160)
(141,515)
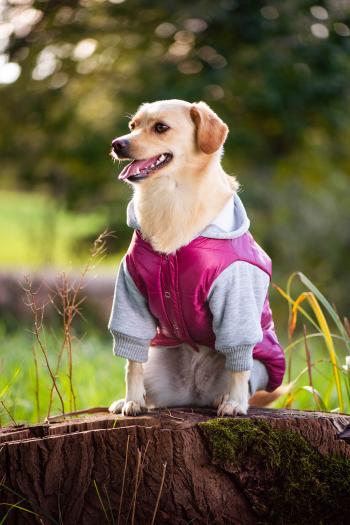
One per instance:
(272,466)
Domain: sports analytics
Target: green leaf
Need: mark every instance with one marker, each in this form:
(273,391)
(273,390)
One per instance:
(316,394)
(327,306)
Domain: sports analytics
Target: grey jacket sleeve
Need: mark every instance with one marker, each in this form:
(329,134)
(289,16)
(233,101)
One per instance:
(131,322)
(236,299)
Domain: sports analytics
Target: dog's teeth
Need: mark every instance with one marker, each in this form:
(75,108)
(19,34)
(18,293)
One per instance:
(161,158)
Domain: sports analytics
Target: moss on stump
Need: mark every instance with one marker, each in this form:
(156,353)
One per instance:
(306,486)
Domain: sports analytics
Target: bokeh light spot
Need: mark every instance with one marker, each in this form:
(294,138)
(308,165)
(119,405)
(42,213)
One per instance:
(178,49)
(23,21)
(190,67)
(9,72)
(46,64)
(319,12)
(269,12)
(165,30)
(319,31)
(6,30)
(84,49)
(214,91)
(195,25)
(341,29)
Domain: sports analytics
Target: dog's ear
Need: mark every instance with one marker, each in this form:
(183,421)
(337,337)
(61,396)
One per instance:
(211,131)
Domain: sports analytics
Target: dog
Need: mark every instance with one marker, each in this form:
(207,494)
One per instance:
(190,311)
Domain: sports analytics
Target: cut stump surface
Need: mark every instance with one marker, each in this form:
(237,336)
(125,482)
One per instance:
(178,467)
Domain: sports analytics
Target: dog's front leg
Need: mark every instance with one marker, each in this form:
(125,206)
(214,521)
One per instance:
(135,390)
(134,402)
(236,400)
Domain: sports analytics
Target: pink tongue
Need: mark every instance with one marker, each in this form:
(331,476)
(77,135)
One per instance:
(136,165)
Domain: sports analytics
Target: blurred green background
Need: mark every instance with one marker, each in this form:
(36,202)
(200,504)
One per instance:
(277,72)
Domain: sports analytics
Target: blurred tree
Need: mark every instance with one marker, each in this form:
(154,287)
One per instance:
(277,72)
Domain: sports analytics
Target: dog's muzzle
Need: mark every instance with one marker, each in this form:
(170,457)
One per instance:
(121,148)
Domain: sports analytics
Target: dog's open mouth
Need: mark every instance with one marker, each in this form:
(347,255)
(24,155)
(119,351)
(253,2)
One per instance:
(140,169)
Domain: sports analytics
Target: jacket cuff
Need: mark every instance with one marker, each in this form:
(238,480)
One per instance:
(129,347)
(238,358)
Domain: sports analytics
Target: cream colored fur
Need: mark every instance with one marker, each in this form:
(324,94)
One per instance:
(171,213)
(172,206)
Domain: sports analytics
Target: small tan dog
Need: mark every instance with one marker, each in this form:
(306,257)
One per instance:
(179,187)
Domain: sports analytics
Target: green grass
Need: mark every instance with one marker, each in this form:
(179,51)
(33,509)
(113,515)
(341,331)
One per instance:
(98,376)
(321,374)
(301,396)
(35,231)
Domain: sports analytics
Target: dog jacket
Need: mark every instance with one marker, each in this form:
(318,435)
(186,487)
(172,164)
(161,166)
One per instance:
(212,292)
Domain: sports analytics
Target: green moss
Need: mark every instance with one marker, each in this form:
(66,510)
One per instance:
(290,482)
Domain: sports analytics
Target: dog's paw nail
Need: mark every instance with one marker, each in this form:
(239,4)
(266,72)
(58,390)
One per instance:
(132,408)
(232,408)
(117,406)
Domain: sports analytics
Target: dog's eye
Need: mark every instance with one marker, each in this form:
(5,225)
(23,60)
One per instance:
(131,126)
(159,127)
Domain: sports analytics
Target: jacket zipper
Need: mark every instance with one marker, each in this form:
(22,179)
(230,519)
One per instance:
(172,303)
(166,294)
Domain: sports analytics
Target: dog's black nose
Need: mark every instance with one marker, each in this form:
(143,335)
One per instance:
(120,147)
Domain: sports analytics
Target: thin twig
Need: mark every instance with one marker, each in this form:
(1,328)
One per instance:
(31,503)
(123,482)
(133,502)
(174,417)
(136,486)
(109,504)
(71,302)
(159,493)
(347,325)
(68,298)
(38,315)
(59,502)
(93,410)
(309,367)
(101,502)
(58,365)
(36,389)
(9,413)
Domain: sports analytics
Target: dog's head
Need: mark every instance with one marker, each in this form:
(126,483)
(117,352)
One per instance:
(168,138)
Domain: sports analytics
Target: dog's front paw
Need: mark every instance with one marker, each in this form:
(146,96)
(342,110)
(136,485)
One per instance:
(127,408)
(117,406)
(133,408)
(230,407)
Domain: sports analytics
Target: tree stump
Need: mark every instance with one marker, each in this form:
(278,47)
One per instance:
(178,467)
